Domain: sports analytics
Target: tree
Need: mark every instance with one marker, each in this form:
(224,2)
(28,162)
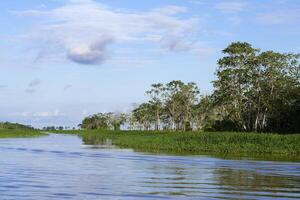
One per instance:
(104,121)
(189,97)
(116,120)
(251,85)
(156,94)
(96,121)
(173,102)
(145,115)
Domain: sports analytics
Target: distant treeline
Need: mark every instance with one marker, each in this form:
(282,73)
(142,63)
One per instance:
(9,125)
(254,91)
(57,128)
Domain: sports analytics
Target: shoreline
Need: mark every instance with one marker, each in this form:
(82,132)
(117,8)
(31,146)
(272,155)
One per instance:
(192,143)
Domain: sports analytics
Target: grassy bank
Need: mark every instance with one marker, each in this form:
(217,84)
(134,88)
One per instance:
(19,133)
(220,143)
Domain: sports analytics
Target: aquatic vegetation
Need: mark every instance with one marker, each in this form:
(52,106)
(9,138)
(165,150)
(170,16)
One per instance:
(197,142)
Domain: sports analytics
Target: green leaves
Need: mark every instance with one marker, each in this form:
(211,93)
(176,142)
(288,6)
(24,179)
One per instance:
(170,106)
(253,86)
(104,121)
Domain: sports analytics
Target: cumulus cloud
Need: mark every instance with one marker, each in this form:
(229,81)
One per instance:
(94,53)
(85,31)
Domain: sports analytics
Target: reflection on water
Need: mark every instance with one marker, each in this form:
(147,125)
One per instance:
(60,167)
(251,183)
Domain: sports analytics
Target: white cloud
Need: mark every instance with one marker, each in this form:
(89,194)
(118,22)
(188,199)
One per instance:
(171,10)
(95,53)
(231,6)
(232,10)
(279,17)
(55,113)
(197,2)
(84,30)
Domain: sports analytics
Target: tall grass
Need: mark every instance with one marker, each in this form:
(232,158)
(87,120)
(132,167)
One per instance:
(18,133)
(216,142)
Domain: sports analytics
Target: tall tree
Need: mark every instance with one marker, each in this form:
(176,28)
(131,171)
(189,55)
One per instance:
(144,115)
(173,102)
(156,94)
(251,85)
(188,98)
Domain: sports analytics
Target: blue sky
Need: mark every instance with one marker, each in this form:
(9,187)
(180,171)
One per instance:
(62,60)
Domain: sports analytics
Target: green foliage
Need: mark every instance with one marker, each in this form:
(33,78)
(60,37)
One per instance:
(104,121)
(143,116)
(170,107)
(9,125)
(15,130)
(17,133)
(256,89)
(195,142)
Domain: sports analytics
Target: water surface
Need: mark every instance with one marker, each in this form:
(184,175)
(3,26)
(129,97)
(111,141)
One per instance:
(61,167)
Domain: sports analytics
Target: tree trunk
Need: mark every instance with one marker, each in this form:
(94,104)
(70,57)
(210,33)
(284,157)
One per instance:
(157,125)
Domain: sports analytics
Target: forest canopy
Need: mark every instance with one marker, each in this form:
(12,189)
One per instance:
(254,90)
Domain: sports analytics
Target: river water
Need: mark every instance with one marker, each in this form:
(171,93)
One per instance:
(61,167)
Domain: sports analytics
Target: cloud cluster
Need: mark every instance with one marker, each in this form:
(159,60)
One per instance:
(84,30)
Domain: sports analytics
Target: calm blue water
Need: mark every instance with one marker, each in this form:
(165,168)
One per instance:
(61,167)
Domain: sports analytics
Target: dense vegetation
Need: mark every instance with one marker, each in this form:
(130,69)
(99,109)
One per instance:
(18,133)
(9,125)
(104,121)
(15,130)
(254,92)
(54,128)
(192,142)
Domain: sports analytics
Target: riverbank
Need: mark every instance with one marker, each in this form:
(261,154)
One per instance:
(19,133)
(194,143)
